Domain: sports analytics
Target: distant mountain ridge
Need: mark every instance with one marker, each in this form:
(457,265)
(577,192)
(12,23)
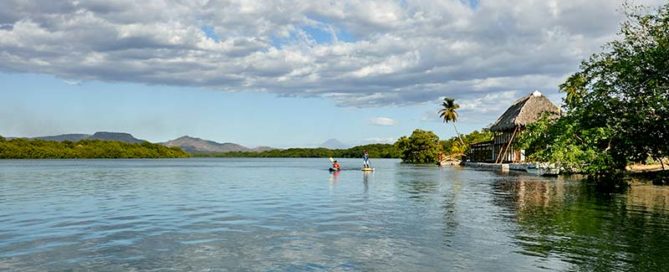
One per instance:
(100,135)
(334,144)
(64,137)
(186,143)
(116,136)
(197,145)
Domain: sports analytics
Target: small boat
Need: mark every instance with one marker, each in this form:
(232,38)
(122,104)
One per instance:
(542,170)
(334,169)
(367,169)
(445,163)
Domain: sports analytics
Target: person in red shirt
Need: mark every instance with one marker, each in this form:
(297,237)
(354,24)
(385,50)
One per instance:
(336,166)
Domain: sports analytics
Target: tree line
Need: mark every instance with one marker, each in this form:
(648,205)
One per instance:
(21,148)
(85,149)
(374,150)
(424,146)
(420,147)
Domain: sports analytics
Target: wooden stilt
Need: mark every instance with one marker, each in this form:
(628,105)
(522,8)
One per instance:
(505,148)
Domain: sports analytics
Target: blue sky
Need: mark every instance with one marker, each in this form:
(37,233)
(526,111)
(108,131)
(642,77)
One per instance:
(289,73)
(38,105)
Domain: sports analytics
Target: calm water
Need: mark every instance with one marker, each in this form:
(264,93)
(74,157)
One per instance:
(292,215)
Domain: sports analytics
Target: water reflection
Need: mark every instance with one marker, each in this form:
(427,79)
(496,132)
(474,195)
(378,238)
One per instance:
(449,205)
(571,222)
(648,197)
(417,183)
(278,215)
(365,180)
(334,178)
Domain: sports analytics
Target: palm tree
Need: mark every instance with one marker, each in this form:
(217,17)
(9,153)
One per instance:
(449,115)
(574,87)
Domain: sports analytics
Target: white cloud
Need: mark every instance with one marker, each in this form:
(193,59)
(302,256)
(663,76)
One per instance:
(73,82)
(380,52)
(490,102)
(380,140)
(382,121)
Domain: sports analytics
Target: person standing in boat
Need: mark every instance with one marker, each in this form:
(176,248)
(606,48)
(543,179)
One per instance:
(365,160)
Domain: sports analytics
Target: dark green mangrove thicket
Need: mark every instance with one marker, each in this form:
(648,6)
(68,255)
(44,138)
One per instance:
(85,149)
(374,150)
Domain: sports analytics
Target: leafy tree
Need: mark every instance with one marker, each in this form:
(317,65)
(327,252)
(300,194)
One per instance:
(421,147)
(453,147)
(617,105)
(564,142)
(449,114)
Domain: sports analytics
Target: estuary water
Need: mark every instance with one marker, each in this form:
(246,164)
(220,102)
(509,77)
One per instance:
(293,215)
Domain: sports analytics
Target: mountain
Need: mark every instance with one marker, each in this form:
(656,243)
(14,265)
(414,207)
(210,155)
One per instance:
(103,136)
(263,148)
(186,143)
(334,144)
(197,145)
(65,137)
(115,136)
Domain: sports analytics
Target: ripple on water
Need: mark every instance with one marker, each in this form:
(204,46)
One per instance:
(215,214)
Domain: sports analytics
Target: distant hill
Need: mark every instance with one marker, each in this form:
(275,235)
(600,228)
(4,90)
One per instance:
(263,148)
(197,145)
(102,135)
(334,144)
(186,143)
(64,137)
(115,136)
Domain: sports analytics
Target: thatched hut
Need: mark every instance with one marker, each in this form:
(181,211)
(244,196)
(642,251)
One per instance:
(507,127)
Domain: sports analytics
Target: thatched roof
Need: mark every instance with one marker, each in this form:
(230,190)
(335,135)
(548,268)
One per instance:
(524,111)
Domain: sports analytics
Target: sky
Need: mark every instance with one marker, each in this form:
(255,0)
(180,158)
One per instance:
(285,73)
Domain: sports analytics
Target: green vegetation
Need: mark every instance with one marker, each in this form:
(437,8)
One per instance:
(616,106)
(457,146)
(454,147)
(85,149)
(375,151)
(424,146)
(421,147)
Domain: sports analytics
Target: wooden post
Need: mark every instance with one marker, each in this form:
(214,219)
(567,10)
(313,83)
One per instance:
(511,140)
(506,147)
(500,153)
(514,136)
